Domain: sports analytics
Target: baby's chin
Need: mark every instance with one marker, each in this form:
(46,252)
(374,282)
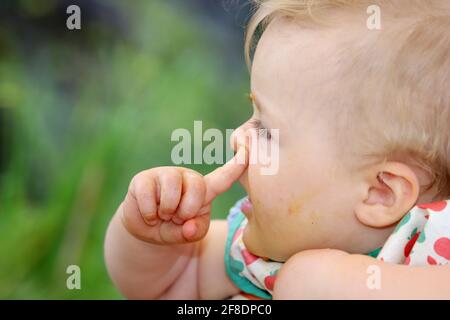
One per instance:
(251,245)
(254,245)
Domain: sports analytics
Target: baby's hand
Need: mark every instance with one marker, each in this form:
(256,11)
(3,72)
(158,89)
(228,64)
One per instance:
(171,205)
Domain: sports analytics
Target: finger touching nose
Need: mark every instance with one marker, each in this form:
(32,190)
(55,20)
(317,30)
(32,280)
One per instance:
(222,178)
(240,138)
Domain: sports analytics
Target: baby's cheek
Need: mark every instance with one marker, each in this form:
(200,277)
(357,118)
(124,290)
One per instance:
(270,209)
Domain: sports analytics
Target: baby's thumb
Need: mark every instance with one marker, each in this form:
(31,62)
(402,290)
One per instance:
(196,228)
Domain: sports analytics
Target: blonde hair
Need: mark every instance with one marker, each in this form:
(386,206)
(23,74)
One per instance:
(401,104)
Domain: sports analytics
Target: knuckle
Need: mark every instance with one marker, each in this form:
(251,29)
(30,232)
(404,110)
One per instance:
(195,182)
(139,176)
(171,180)
(141,193)
(198,190)
(137,179)
(170,172)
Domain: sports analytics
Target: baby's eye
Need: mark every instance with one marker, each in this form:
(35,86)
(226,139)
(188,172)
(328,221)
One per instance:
(265,133)
(262,132)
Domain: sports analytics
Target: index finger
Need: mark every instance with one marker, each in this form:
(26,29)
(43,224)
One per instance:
(221,179)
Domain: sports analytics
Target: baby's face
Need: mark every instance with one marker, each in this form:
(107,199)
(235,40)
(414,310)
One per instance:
(309,202)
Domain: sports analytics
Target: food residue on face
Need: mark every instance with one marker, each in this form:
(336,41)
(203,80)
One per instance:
(297,205)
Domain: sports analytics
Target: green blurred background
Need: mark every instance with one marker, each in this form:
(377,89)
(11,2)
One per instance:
(82,111)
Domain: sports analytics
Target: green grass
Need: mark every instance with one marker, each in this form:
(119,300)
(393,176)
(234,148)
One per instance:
(73,152)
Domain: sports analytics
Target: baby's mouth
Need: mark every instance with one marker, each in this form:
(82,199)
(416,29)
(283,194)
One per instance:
(246,206)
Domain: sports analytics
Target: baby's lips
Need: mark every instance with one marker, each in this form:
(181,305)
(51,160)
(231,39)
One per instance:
(246,206)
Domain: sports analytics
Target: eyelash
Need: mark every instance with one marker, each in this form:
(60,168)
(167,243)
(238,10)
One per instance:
(262,132)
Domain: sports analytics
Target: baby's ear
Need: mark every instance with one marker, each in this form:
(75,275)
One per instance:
(389,194)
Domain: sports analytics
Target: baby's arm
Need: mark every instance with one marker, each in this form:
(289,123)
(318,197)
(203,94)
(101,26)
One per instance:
(334,274)
(156,247)
(186,271)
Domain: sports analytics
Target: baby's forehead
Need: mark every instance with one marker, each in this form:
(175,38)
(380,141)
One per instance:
(299,47)
(309,59)
(296,61)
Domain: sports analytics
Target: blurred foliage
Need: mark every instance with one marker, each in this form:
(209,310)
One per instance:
(81,112)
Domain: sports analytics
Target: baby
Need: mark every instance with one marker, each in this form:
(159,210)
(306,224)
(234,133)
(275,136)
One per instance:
(364,148)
